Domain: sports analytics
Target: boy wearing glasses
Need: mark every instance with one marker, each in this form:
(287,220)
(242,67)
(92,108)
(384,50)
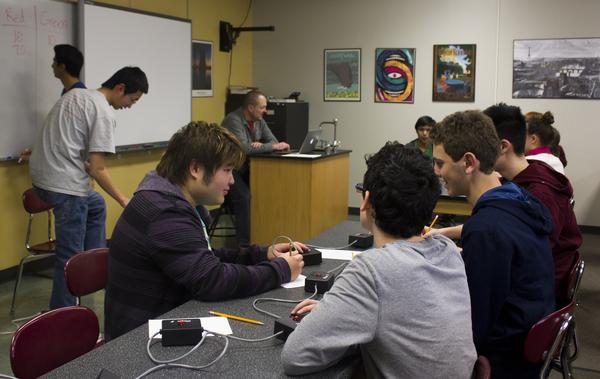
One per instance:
(404,303)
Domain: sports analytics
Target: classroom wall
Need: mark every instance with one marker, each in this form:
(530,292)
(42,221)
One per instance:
(128,169)
(291,59)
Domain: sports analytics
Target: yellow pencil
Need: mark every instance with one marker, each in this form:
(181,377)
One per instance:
(236,318)
(432,223)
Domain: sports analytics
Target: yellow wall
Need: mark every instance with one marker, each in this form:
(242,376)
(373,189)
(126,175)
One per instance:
(128,169)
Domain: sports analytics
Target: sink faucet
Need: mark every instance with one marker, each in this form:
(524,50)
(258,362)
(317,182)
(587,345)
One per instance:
(335,142)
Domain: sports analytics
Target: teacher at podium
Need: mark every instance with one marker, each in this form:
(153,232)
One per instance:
(249,127)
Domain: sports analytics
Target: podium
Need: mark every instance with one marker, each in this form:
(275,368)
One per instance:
(297,197)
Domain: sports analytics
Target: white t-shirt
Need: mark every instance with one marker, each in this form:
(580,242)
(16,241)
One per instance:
(80,122)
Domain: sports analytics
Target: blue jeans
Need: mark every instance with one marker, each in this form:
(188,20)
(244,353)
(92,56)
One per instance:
(79,225)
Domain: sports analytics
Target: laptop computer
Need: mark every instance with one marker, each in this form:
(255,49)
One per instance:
(310,141)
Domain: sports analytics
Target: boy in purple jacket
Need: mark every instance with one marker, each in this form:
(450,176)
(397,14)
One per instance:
(160,254)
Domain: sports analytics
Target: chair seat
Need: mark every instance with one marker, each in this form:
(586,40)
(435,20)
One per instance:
(48,247)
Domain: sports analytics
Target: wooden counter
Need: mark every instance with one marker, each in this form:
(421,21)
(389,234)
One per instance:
(297,197)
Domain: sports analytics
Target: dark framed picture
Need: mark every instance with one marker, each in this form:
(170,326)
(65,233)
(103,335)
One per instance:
(395,75)
(341,72)
(202,82)
(562,68)
(454,72)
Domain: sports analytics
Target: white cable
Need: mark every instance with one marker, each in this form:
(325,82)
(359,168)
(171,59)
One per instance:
(151,340)
(261,299)
(16,322)
(337,268)
(169,365)
(333,248)
(7,376)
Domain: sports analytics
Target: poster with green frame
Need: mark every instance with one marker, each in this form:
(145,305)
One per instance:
(341,71)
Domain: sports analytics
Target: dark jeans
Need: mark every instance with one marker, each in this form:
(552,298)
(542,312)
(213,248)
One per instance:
(79,225)
(239,198)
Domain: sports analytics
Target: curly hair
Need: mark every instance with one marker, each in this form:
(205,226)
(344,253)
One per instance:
(403,189)
(469,131)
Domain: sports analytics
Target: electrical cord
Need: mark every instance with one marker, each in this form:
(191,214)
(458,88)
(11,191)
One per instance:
(7,376)
(332,248)
(16,322)
(170,363)
(263,299)
(333,270)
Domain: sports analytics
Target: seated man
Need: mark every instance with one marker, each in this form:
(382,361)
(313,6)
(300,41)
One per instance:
(405,303)
(551,187)
(247,124)
(423,127)
(505,243)
(160,256)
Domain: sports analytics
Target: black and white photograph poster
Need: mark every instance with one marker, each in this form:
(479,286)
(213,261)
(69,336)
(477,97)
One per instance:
(565,68)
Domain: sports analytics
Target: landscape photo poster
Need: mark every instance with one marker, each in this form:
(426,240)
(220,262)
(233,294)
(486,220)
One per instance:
(454,72)
(202,83)
(341,71)
(394,75)
(564,68)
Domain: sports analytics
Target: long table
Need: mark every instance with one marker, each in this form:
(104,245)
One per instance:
(126,356)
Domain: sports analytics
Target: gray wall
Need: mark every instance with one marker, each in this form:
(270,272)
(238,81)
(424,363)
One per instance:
(291,58)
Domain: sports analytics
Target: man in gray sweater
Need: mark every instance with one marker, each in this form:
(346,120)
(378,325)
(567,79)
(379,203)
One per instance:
(404,303)
(249,127)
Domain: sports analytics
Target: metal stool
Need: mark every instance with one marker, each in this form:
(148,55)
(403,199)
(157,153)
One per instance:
(224,231)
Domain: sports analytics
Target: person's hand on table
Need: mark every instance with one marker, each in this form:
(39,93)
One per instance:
(256,145)
(281,146)
(283,249)
(305,306)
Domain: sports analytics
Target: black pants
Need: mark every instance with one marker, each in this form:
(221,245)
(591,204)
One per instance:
(239,198)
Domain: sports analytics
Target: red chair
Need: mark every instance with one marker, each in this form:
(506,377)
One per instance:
(545,342)
(34,205)
(87,272)
(482,368)
(574,282)
(52,339)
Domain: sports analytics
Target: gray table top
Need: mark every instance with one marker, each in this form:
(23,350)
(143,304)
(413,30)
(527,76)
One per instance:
(126,356)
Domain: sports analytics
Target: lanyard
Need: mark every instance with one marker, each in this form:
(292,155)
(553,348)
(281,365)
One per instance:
(203,229)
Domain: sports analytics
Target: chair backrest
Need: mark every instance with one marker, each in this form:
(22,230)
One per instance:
(575,277)
(87,271)
(482,368)
(52,339)
(33,204)
(546,336)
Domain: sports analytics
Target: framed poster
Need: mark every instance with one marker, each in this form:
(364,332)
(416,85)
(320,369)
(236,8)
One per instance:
(454,72)
(202,83)
(394,75)
(563,68)
(341,75)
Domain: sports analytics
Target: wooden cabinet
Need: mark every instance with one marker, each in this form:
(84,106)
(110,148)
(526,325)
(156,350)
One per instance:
(297,197)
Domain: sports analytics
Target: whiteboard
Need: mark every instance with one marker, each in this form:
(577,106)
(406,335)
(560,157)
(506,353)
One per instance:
(28,31)
(115,37)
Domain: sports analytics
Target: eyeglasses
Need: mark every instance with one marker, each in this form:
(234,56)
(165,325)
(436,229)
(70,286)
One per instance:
(359,188)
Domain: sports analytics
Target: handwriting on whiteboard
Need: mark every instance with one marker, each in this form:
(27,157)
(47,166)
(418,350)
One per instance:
(17,20)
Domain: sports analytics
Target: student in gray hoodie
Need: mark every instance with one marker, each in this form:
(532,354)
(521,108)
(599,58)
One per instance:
(404,303)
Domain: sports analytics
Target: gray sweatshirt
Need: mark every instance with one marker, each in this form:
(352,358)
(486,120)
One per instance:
(406,305)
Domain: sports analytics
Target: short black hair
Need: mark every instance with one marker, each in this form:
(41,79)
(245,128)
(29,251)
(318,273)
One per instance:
(510,125)
(133,78)
(424,121)
(403,189)
(71,57)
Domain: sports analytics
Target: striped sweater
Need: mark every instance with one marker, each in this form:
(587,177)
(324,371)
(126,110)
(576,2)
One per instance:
(159,259)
